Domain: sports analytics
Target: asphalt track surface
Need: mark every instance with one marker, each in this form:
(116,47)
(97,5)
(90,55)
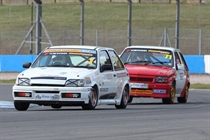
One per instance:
(143,119)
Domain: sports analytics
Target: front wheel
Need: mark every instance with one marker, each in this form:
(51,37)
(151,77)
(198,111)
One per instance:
(93,100)
(171,98)
(124,99)
(21,106)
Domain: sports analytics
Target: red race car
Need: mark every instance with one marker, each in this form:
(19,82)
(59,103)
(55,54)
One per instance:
(157,72)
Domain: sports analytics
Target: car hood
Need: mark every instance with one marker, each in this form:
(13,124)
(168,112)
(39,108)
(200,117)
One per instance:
(68,73)
(137,69)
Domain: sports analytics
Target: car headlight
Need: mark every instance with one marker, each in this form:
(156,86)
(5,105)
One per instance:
(75,83)
(161,79)
(23,82)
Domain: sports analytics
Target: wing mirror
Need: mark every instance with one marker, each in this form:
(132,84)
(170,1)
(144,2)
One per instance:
(26,65)
(106,67)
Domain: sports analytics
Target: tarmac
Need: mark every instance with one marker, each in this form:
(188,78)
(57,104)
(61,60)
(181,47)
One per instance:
(194,78)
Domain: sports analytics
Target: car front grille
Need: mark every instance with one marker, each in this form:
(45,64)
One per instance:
(47,85)
(47,92)
(141,79)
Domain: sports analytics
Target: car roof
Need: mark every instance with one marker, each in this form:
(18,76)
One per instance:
(154,47)
(79,47)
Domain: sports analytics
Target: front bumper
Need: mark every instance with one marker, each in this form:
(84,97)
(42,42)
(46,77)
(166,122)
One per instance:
(51,95)
(157,90)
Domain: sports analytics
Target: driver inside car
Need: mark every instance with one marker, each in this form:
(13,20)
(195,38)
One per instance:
(57,60)
(138,57)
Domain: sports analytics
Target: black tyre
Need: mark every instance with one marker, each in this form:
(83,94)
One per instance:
(185,98)
(20,106)
(124,99)
(171,98)
(93,100)
(130,99)
(56,106)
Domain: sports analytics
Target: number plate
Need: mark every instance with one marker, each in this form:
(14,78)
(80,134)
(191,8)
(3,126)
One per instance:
(139,85)
(53,97)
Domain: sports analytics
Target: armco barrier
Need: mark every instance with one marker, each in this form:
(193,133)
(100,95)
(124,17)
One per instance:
(13,63)
(195,63)
(198,64)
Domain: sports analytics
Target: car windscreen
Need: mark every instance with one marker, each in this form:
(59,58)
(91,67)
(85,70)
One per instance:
(147,56)
(78,58)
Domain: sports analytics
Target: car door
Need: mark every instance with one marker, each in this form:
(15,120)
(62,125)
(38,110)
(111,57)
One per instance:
(120,71)
(107,87)
(180,73)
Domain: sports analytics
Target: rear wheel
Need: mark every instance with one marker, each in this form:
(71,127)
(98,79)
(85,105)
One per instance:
(93,100)
(171,98)
(124,99)
(56,106)
(21,106)
(184,99)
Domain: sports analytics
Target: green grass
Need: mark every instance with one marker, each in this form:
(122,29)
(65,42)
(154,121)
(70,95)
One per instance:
(192,86)
(12,81)
(200,86)
(111,16)
(109,19)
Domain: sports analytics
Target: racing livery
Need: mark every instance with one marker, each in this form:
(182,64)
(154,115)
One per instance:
(84,76)
(157,72)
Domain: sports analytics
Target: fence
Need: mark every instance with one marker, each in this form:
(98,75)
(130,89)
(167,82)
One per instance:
(23,2)
(191,41)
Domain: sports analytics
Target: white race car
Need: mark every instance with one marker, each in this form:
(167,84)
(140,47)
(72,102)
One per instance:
(84,76)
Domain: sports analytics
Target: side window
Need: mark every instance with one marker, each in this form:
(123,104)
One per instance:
(183,60)
(118,65)
(177,59)
(42,61)
(104,58)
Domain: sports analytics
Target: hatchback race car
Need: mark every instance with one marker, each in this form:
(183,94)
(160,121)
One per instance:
(84,76)
(157,72)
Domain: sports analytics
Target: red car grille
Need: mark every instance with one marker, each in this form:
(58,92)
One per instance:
(140,79)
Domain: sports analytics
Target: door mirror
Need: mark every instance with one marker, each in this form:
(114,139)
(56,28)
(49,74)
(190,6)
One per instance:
(26,65)
(106,67)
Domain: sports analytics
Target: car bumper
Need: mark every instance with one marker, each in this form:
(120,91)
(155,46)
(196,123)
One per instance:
(52,95)
(153,90)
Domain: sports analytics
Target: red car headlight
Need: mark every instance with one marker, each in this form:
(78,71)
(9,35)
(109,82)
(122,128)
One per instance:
(161,79)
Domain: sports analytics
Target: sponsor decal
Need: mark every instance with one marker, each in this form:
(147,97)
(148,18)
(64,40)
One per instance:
(89,51)
(137,91)
(138,50)
(159,91)
(167,56)
(70,51)
(47,97)
(63,73)
(103,89)
(139,85)
(122,74)
(109,76)
(53,78)
(83,54)
(159,51)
